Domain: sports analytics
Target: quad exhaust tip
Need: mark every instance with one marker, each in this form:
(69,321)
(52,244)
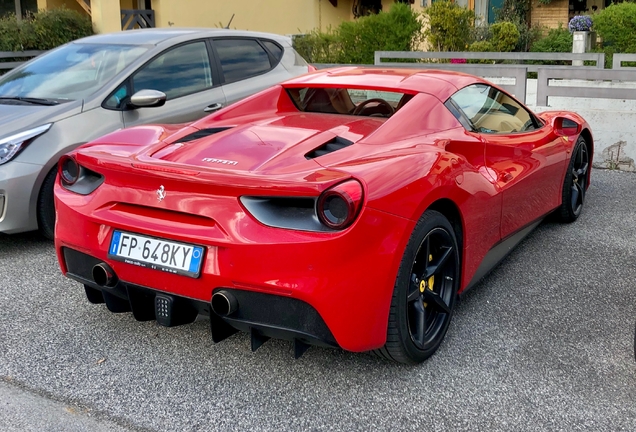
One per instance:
(103,275)
(224,303)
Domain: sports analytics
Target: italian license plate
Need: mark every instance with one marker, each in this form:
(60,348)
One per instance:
(157,254)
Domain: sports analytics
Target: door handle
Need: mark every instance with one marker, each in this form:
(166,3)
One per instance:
(213,107)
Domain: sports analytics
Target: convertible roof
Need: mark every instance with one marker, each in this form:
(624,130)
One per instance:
(439,83)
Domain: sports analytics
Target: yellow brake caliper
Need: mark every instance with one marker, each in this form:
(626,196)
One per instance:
(427,283)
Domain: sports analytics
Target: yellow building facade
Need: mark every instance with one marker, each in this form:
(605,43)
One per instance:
(275,16)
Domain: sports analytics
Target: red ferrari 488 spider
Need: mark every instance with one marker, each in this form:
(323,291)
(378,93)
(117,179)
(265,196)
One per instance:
(346,208)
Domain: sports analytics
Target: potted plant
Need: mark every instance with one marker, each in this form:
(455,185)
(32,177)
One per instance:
(581,28)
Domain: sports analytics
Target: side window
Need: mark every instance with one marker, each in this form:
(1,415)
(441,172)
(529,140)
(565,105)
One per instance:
(273,48)
(241,58)
(119,98)
(491,111)
(178,72)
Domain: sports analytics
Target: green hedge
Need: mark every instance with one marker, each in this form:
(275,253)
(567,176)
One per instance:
(557,40)
(355,42)
(616,25)
(43,30)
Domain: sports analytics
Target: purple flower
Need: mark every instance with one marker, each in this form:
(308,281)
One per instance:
(580,23)
(458,60)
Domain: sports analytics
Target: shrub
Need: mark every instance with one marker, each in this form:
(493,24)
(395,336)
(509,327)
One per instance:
(56,27)
(10,31)
(399,29)
(557,40)
(505,36)
(616,25)
(481,46)
(43,30)
(480,33)
(528,35)
(318,47)
(449,26)
(518,12)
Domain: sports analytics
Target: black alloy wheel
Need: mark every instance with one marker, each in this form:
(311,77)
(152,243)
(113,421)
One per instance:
(575,184)
(425,292)
(432,288)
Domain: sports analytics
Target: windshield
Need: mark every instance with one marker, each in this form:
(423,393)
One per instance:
(71,72)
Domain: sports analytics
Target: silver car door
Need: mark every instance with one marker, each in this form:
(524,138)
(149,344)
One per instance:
(185,74)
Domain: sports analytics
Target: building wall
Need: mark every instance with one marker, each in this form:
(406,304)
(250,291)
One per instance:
(327,15)
(550,15)
(276,16)
(74,5)
(54,4)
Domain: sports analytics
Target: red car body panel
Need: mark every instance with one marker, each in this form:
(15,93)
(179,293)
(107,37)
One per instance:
(418,158)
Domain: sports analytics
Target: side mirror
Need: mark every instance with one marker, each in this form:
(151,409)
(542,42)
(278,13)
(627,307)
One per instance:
(566,127)
(148,99)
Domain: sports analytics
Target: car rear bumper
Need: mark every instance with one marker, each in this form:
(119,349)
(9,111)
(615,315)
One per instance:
(263,315)
(288,283)
(17,206)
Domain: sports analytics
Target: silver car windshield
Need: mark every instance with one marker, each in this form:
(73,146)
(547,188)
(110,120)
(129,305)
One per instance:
(71,72)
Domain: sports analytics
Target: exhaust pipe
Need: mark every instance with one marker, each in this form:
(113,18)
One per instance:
(103,275)
(224,303)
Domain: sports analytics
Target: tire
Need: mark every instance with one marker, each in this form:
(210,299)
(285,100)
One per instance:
(575,184)
(424,294)
(46,206)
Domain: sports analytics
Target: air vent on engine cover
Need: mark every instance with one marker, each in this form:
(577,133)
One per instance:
(201,134)
(330,146)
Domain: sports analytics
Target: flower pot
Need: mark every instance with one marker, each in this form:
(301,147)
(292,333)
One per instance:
(582,41)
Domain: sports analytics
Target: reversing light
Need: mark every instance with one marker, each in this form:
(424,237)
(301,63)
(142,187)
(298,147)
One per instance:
(69,170)
(339,206)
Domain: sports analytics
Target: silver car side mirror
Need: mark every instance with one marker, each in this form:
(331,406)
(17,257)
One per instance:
(147,99)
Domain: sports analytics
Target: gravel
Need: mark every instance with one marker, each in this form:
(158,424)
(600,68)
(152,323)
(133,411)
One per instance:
(544,343)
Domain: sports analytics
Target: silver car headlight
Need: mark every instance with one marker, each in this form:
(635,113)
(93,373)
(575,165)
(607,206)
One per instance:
(11,145)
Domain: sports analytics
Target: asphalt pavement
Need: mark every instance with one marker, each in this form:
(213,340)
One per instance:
(545,343)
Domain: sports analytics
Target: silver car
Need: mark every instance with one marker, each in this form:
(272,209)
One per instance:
(99,84)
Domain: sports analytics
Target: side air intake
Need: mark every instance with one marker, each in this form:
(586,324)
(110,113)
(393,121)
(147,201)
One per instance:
(330,146)
(201,134)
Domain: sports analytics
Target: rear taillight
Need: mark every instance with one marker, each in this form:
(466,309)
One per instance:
(77,178)
(339,206)
(69,170)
